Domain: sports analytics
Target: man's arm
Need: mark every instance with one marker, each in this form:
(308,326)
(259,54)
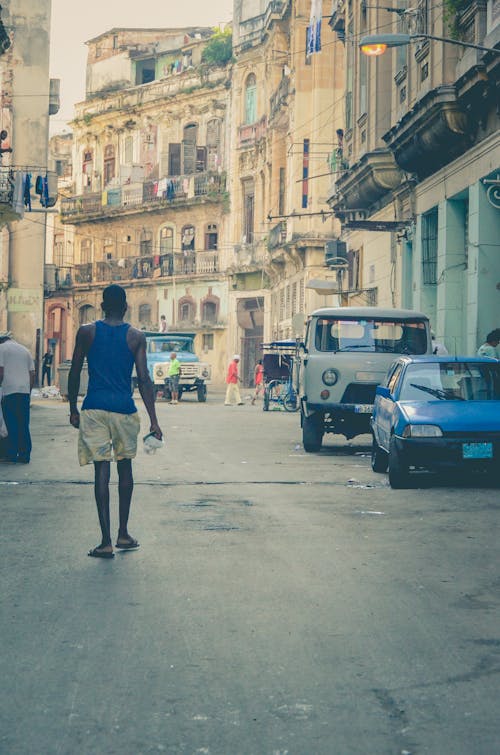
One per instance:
(79,354)
(32,379)
(145,385)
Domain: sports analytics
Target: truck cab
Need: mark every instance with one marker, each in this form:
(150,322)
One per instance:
(194,374)
(346,354)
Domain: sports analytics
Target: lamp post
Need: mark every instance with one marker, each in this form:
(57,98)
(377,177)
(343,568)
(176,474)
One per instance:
(376,44)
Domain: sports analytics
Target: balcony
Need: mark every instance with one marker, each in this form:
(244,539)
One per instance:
(277,235)
(250,135)
(144,196)
(144,268)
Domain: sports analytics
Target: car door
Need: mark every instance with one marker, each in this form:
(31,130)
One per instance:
(386,408)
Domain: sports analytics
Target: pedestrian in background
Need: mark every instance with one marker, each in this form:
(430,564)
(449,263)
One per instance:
(17,377)
(258,380)
(174,371)
(489,348)
(438,348)
(163,324)
(233,396)
(47,360)
(108,422)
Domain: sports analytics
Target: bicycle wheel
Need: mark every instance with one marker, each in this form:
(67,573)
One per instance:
(290,401)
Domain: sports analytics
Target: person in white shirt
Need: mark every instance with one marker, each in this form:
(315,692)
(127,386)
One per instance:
(439,349)
(489,348)
(17,377)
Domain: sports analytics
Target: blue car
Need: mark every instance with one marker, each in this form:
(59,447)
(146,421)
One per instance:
(435,413)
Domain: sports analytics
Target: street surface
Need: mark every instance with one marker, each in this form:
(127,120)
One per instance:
(280,603)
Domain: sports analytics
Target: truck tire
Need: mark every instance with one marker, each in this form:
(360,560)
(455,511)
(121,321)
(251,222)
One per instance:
(380,459)
(312,433)
(399,473)
(202,393)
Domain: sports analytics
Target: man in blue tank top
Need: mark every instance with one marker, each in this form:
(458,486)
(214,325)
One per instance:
(108,423)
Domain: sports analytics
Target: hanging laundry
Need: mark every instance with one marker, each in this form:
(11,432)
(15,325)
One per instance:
(27,191)
(314,29)
(18,194)
(39,185)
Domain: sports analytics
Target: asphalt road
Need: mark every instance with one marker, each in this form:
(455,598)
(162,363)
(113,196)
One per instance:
(281,603)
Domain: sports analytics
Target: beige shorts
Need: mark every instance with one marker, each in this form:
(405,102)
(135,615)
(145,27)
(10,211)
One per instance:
(105,436)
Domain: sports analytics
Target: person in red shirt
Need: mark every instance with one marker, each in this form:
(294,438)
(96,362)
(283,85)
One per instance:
(258,380)
(233,392)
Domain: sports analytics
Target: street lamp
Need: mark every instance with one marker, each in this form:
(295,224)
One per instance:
(376,44)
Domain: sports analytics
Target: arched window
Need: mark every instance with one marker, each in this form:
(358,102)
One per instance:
(250,99)
(211,237)
(189,140)
(187,309)
(144,314)
(109,163)
(86,314)
(59,250)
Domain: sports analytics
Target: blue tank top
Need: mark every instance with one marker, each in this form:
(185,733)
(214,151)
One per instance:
(110,364)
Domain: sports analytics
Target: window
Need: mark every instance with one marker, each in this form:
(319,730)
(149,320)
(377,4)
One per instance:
(87,169)
(109,163)
(282,189)
(188,238)
(174,159)
(209,311)
(208,341)
(144,314)
(128,150)
(86,251)
(354,269)
(187,309)
(59,250)
(108,248)
(248,211)
(363,65)
(349,78)
(430,246)
(166,240)
(213,143)
(146,243)
(189,148)
(251,99)
(211,237)
(145,71)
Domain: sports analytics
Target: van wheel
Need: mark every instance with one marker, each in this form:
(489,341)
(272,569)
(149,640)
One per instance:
(202,393)
(312,433)
(380,459)
(399,471)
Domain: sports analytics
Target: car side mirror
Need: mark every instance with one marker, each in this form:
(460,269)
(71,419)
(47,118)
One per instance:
(383,391)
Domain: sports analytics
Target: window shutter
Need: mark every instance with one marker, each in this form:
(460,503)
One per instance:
(174,159)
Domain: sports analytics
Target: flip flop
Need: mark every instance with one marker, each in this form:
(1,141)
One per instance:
(97,553)
(127,546)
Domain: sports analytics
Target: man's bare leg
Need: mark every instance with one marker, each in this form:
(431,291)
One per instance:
(125,490)
(101,490)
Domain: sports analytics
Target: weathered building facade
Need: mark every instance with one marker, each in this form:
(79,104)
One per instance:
(286,111)
(418,193)
(149,202)
(27,99)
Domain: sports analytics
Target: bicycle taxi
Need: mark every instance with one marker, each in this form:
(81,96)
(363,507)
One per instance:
(278,361)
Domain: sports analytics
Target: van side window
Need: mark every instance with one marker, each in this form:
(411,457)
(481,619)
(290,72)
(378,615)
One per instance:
(393,379)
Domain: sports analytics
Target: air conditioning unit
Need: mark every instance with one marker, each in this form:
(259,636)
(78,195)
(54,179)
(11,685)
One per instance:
(335,252)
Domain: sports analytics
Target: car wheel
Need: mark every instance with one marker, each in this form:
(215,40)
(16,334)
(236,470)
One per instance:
(312,433)
(202,393)
(380,459)
(399,472)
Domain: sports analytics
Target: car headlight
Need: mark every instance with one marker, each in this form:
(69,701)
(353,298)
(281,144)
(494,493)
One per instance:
(422,431)
(159,372)
(330,377)
(205,373)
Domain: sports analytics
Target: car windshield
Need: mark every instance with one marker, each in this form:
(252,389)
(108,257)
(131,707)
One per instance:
(451,381)
(161,346)
(384,336)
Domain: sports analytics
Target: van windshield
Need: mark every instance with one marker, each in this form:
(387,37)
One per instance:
(161,346)
(366,335)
